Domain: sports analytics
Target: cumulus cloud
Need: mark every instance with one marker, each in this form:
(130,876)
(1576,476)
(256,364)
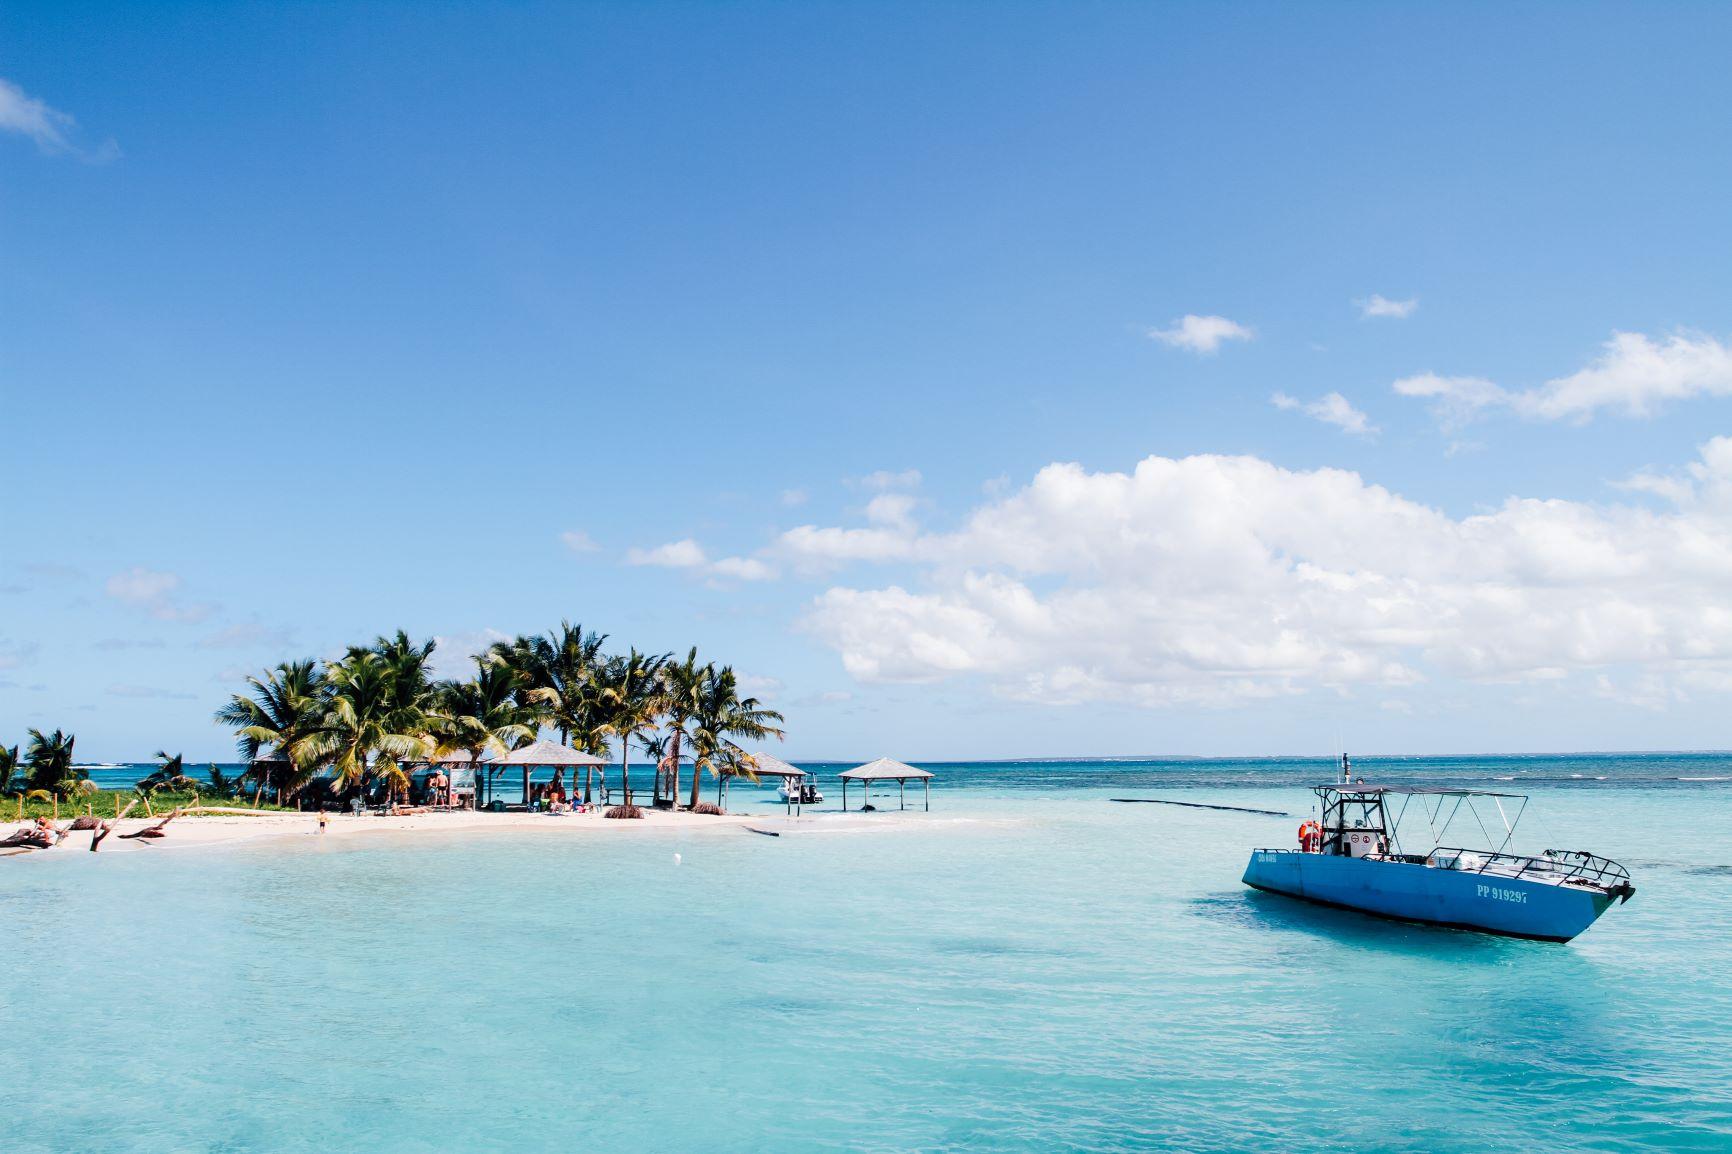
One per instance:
(893,509)
(885,479)
(763,688)
(743,569)
(1214,579)
(1202,335)
(454,653)
(691,557)
(1331,409)
(1454,400)
(157,593)
(815,548)
(578,541)
(685,554)
(1378,305)
(1634,375)
(53,131)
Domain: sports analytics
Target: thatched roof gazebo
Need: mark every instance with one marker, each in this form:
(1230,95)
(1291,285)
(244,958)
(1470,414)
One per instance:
(885,770)
(549,754)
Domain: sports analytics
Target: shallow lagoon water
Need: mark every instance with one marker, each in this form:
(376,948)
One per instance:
(1031,966)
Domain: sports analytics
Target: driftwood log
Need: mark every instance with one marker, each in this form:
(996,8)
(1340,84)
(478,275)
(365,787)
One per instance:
(153,831)
(103,829)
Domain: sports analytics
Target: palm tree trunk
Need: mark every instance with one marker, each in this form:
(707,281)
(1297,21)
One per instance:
(674,771)
(697,784)
(625,767)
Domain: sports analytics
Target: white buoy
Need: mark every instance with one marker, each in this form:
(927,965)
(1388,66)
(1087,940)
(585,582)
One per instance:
(676,859)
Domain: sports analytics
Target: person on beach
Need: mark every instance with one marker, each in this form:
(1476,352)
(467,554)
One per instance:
(323,819)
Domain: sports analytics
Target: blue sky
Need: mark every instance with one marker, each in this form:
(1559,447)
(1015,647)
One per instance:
(829,338)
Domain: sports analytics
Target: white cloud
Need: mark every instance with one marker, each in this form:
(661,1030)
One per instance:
(686,554)
(690,556)
(1378,305)
(1634,375)
(885,479)
(1202,335)
(763,688)
(895,510)
(1455,400)
(157,593)
(454,653)
(743,569)
(793,497)
(1213,579)
(811,547)
(578,541)
(51,129)
(1331,409)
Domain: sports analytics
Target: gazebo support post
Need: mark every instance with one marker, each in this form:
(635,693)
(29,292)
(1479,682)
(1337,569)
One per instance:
(929,795)
(901,795)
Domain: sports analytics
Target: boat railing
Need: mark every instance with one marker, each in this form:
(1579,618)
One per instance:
(1556,865)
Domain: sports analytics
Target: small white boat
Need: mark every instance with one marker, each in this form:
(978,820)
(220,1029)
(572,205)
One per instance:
(803,792)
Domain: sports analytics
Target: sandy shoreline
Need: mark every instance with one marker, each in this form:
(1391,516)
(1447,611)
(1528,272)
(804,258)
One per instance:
(202,830)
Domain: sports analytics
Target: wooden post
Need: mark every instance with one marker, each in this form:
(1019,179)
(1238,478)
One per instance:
(901,797)
(928,795)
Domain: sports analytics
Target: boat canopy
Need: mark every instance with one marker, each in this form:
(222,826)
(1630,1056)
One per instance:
(1373,808)
(1429,790)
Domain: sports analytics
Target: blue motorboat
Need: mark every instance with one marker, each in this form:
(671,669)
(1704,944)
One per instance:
(1353,858)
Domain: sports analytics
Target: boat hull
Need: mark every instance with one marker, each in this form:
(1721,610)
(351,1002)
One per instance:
(1441,897)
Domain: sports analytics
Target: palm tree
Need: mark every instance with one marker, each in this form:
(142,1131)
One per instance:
(731,762)
(8,768)
(171,775)
(481,716)
(723,715)
(634,694)
(220,784)
(683,697)
(365,732)
(561,672)
(405,663)
(284,713)
(50,762)
(46,795)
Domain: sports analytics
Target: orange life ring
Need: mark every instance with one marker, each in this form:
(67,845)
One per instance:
(1310,836)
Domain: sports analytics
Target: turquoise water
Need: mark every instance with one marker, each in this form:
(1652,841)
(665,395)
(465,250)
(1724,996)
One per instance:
(1030,967)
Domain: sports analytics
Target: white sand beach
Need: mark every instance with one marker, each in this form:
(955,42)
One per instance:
(236,828)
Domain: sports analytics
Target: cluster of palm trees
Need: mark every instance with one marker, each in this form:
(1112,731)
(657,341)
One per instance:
(45,770)
(362,721)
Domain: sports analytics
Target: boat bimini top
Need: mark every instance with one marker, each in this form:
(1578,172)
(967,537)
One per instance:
(1366,821)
